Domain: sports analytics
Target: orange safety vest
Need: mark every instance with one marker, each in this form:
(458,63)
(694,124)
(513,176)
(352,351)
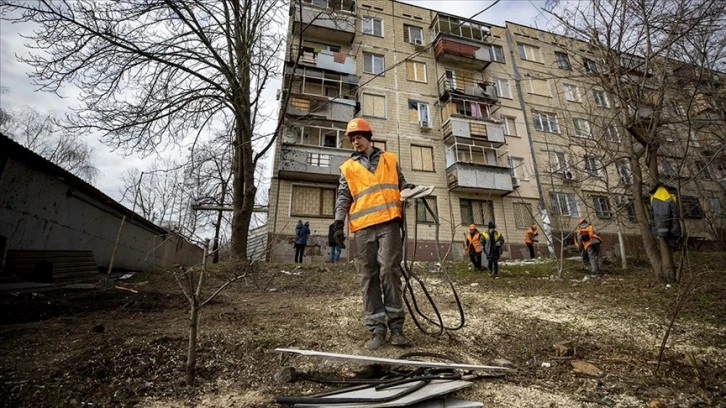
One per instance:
(472,241)
(376,196)
(591,232)
(529,236)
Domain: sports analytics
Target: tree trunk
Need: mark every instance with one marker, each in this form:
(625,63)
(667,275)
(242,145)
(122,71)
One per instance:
(192,349)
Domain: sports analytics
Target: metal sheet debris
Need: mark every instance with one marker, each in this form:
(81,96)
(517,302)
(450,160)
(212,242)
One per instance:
(447,403)
(392,361)
(434,389)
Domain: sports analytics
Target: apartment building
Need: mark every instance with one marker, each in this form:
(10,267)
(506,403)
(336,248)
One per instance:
(501,120)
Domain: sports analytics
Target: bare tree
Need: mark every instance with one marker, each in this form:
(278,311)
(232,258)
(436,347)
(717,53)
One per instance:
(650,56)
(159,71)
(41,134)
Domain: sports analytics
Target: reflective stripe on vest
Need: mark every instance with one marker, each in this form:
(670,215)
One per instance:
(376,197)
(473,241)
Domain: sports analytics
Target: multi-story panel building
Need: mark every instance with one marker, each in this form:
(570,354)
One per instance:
(507,123)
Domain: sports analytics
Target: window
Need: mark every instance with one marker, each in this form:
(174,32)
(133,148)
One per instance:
(518,169)
(601,98)
(601,206)
(560,162)
(538,86)
(510,125)
(593,166)
(523,216)
(413,34)
(497,53)
(451,78)
(422,213)
(502,87)
(626,176)
(416,71)
(528,52)
(381,144)
(563,61)
(478,212)
(692,208)
(590,66)
(611,133)
(312,201)
(572,92)
(422,158)
(373,63)
(582,127)
(374,105)
(372,26)
(545,122)
(418,112)
(625,204)
(320,136)
(563,204)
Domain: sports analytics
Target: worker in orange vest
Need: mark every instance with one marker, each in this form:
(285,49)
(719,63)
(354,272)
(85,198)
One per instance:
(530,237)
(589,241)
(473,244)
(369,195)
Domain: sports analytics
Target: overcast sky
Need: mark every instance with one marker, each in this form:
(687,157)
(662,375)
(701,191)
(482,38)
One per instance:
(21,92)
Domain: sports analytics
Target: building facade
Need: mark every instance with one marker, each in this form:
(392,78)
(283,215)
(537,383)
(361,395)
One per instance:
(498,119)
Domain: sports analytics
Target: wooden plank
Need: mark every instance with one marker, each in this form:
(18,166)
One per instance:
(51,265)
(392,361)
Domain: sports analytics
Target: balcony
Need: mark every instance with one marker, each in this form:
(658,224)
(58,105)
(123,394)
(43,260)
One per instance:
(325,19)
(326,60)
(450,86)
(482,179)
(320,107)
(461,42)
(458,53)
(476,130)
(311,163)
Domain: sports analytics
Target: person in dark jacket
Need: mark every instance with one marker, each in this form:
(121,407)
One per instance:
(665,215)
(335,246)
(302,231)
(493,243)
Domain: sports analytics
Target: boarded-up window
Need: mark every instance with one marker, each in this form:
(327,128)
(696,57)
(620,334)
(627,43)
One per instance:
(422,158)
(374,105)
(299,103)
(312,201)
(523,217)
(539,87)
(415,71)
(478,212)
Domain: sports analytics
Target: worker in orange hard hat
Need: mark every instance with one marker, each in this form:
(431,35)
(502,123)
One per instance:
(369,195)
(530,237)
(589,240)
(473,244)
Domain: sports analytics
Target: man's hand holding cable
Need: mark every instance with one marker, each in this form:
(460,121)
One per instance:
(338,233)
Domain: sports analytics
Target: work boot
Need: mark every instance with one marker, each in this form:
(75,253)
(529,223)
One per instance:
(397,338)
(376,341)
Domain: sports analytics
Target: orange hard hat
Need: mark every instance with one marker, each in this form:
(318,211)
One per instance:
(357,125)
(472,226)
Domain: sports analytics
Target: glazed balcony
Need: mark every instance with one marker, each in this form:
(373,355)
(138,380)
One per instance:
(311,163)
(461,42)
(320,107)
(473,168)
(482,131)
(325,19)
(450,86)
(326,60)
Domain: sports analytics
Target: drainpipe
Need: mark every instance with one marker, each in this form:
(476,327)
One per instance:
(523,106)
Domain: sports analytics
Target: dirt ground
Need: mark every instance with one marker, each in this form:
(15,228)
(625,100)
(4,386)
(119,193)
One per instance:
(117,347)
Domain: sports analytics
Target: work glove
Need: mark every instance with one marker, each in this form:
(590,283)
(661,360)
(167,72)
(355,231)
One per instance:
(499,244)
(338,234)
(409,186)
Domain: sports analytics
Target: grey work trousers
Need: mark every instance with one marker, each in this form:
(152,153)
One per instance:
(379,268)
(593,251)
